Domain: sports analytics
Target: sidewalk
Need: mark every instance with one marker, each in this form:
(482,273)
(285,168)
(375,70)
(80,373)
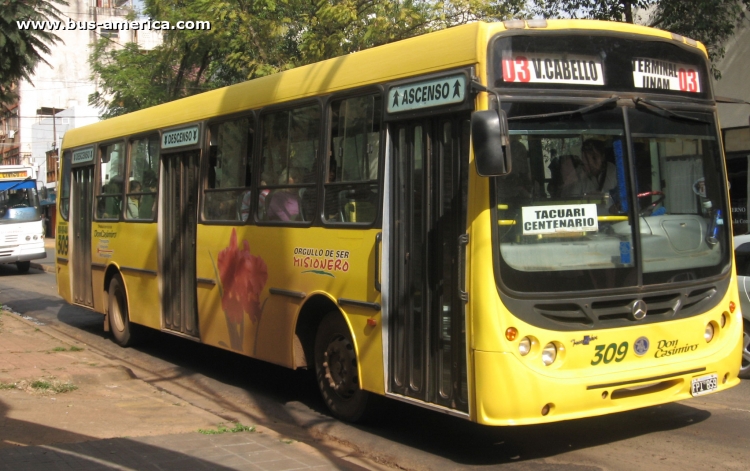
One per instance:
(63,406)
(46,264)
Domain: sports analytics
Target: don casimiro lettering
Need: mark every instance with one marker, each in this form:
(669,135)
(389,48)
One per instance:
(427,94)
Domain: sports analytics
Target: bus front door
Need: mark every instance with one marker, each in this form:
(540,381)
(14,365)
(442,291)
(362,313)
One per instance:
(427,339)
(178,229)
(81,213)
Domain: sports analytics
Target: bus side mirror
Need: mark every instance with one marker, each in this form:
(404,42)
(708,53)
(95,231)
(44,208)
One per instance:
(490,139)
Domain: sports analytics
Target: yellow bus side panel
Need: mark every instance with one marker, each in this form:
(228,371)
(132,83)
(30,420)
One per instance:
(128,245)
(62,259)
(241,314)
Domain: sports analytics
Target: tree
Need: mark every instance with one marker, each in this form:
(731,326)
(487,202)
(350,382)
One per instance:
(254,38)
(22,49)
(614,10)
(712,22)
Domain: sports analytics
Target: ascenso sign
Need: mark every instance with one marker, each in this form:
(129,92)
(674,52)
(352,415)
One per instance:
(180,137)
(427,94)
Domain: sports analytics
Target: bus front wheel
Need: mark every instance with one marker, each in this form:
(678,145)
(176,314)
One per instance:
(745,368)
(23,267)
(336,369)
(119,321)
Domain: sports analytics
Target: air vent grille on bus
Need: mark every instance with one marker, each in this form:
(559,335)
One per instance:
(619,310)
(567,313)
(11,239)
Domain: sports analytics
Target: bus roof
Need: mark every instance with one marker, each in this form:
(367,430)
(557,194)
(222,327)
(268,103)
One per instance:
(460,46)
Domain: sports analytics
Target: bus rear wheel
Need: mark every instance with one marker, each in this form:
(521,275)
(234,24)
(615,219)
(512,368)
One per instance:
(119,320)
(23,267)
(336,370)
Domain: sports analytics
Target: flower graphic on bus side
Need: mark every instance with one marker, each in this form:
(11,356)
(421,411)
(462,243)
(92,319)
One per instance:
(242,277)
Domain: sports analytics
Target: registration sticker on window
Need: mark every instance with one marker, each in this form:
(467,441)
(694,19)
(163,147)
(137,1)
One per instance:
(704,384)
(556,219)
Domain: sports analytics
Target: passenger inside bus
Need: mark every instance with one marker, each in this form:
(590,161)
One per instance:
(284,203)
(133,200)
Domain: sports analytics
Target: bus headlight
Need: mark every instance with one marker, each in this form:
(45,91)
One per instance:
(549,354)
(28,238)
(708,334)
(524,346)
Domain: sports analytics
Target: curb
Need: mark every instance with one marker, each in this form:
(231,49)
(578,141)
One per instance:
(45,268)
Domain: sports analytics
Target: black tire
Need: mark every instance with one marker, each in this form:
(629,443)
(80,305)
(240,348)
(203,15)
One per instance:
(23,267)
(336,369)
(745,368)
(119,319)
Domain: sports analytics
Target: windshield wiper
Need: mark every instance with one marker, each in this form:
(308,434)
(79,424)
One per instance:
(584,110)
(661,111)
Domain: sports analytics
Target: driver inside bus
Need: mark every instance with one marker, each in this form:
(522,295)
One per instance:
(593,175)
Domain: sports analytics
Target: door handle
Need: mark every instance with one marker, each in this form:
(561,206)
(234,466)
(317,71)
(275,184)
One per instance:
(378,240)
(463,241)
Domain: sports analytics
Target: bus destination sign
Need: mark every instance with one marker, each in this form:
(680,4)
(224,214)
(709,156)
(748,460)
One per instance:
(180,137)
(427,94)
(563,218)
(15,174)
(665,75)
(552,68)
(83,155)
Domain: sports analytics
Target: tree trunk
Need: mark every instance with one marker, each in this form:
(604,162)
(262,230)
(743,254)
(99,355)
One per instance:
(628,11)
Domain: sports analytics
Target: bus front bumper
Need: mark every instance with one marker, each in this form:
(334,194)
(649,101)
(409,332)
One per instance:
(508,393)
(23,253)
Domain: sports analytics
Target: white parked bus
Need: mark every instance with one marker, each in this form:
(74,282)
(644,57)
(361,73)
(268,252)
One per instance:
(21,220)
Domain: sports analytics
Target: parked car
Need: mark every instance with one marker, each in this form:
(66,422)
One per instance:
(742,255)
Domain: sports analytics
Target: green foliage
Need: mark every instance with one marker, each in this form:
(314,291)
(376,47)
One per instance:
(254,38)
(63,349)
(614,10)
(713,22)
(7,386)
(53,386)
(21,50)
(238,427)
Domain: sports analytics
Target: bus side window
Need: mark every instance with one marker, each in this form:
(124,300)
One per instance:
(227,191)
(351,189)
(143,171)
(65,187)
(109,193)
(289,157)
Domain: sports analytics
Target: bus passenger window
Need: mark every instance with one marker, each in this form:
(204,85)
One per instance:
(351,189)
(109,197)
(65,187)
(287,191)
(227,192)
(143,170)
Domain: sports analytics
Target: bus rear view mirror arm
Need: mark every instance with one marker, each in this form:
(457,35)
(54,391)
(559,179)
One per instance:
(490,141)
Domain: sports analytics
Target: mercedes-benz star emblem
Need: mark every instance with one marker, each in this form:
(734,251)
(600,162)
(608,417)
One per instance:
(638,310)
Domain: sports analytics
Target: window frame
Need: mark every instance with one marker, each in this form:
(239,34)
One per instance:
(252,116)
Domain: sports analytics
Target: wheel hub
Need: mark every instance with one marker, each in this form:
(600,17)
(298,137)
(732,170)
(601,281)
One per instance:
(340,366)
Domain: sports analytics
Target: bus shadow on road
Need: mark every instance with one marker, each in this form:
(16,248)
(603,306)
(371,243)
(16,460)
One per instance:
(470,444)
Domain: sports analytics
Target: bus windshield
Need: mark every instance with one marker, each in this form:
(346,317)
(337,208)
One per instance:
(580,210)
(19,203)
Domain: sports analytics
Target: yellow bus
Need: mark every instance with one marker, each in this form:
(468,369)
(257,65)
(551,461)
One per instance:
(512,223)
